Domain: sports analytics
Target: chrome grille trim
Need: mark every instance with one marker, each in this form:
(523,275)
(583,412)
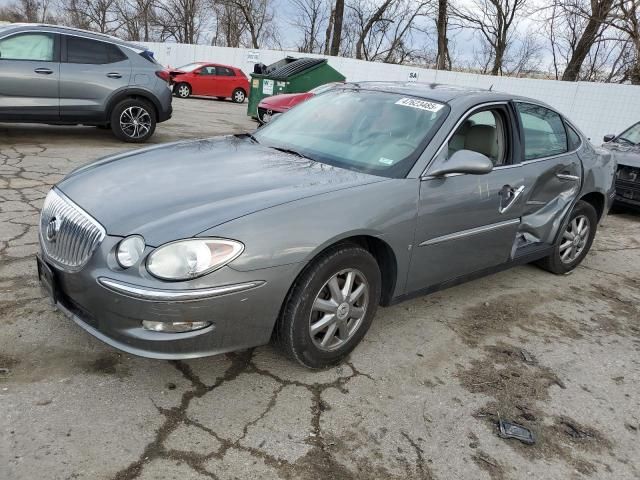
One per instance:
(75,236)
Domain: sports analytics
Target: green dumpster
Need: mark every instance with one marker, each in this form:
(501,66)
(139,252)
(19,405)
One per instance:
(289,75)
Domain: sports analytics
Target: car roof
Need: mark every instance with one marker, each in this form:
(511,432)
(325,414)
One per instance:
(441,92)
(70,30)
(215,64)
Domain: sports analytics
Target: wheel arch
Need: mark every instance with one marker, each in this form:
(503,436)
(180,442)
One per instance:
(597,200)
(135,94)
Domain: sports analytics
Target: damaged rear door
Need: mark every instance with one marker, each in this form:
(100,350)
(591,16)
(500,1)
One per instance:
(552,168)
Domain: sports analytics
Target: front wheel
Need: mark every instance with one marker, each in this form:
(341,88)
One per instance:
(238,95)
(575,240)
(182,90)
(330,307)
(133,120)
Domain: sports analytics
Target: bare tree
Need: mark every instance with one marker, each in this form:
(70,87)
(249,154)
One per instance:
(338,17)
(97,15)
(258,17)
(181,20)
(137,17)
(626,19)
(31,11)
(495,21)
(310,21)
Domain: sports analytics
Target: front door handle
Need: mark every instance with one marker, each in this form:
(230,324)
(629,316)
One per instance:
(43,71)
(114,75)
(567,176)
(509,196)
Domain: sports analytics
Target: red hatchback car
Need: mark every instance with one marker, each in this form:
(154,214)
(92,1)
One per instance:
(211,80)
(275,104)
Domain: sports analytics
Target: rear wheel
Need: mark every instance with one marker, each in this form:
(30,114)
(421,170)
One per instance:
(182,90)
(575,240)
(133,120)
(330,307)
(238,95)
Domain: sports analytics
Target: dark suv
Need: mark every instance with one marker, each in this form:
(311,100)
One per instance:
(59,75)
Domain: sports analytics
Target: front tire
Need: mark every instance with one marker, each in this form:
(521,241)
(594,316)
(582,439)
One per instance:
(574,241)
(330,307)
(182,90)
(133,120)
(238,95)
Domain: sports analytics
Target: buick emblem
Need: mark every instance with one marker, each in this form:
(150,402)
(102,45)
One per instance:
(52,229)
(269,112)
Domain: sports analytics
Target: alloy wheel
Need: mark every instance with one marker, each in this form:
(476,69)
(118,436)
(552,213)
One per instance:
(135,122)
(239,96)
(339,309)
(183,91)
(574,239)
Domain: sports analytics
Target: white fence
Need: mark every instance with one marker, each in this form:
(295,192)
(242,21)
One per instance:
(596,108)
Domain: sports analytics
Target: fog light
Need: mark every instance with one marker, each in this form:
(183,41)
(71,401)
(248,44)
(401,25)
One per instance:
(173,327)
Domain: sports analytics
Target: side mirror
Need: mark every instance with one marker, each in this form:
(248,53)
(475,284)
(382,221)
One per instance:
(609,137)
(464,161)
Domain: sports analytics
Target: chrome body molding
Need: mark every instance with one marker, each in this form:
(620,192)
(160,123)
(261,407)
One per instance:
(158,295)
(469,232)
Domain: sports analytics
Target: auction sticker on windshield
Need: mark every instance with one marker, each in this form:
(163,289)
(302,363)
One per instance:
(420,104)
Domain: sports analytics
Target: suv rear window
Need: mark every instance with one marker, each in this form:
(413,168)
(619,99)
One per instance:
(84,50)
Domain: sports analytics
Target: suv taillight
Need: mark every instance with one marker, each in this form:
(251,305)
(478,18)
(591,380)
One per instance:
(164,75)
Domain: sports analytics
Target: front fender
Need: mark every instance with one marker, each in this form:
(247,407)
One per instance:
(296,232)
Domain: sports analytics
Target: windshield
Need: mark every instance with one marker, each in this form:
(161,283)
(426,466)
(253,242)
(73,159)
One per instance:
(363,130)
(189,67)
(631,135)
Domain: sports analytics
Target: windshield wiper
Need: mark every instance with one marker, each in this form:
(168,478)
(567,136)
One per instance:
(251,136)
(626,140)
(292,152)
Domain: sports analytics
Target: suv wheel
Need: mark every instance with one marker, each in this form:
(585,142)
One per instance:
(182,90)
(575,240)
(133,120)
(330,307)
(238,95)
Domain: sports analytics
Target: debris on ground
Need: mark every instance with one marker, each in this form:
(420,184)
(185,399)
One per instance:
(513,430)
(528,357)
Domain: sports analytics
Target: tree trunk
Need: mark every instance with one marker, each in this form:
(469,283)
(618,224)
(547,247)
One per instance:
(599,12)
(337,28)
(376,17)
(499,58)
(443,61)
(327,41)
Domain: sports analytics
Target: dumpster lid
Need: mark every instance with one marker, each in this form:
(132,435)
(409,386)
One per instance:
(295,67)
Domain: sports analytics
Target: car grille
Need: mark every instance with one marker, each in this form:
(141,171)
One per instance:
(68,235)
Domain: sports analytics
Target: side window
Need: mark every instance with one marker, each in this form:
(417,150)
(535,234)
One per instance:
(28,46)
(93,52)
(483,132)
(225,72)
(544,133)
(573,137)
(208,71)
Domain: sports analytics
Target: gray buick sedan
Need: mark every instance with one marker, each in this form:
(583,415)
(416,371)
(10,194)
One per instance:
(367,195)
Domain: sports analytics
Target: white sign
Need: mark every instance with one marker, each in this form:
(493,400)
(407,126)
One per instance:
(267,87)
(420,104)
(253,56)
(413,77)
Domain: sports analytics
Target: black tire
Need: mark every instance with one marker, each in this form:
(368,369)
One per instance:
(292,331)
(554,263)
(149,119)
(182,90)
(238,95)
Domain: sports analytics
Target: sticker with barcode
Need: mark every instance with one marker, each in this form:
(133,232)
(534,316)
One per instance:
(420,104)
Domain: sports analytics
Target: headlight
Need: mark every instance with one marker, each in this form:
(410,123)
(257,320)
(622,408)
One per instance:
(186,259)
(130,251)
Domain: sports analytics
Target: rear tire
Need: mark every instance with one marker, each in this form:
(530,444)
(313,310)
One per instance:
(238,95)
(575,240)
(133,120)
(305,332)
(182,90)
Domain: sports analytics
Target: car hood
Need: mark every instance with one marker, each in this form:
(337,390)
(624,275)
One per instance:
(624,154)
(285,100)
(178,190)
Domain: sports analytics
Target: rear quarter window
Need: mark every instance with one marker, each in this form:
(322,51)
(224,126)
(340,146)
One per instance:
(544,131)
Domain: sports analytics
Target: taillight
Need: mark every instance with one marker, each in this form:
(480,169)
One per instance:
(164,75)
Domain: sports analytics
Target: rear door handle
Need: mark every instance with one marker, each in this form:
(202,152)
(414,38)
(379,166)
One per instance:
(114,75)
(567,176)
(43,71)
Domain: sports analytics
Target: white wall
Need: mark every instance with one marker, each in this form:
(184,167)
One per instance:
(596,108)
